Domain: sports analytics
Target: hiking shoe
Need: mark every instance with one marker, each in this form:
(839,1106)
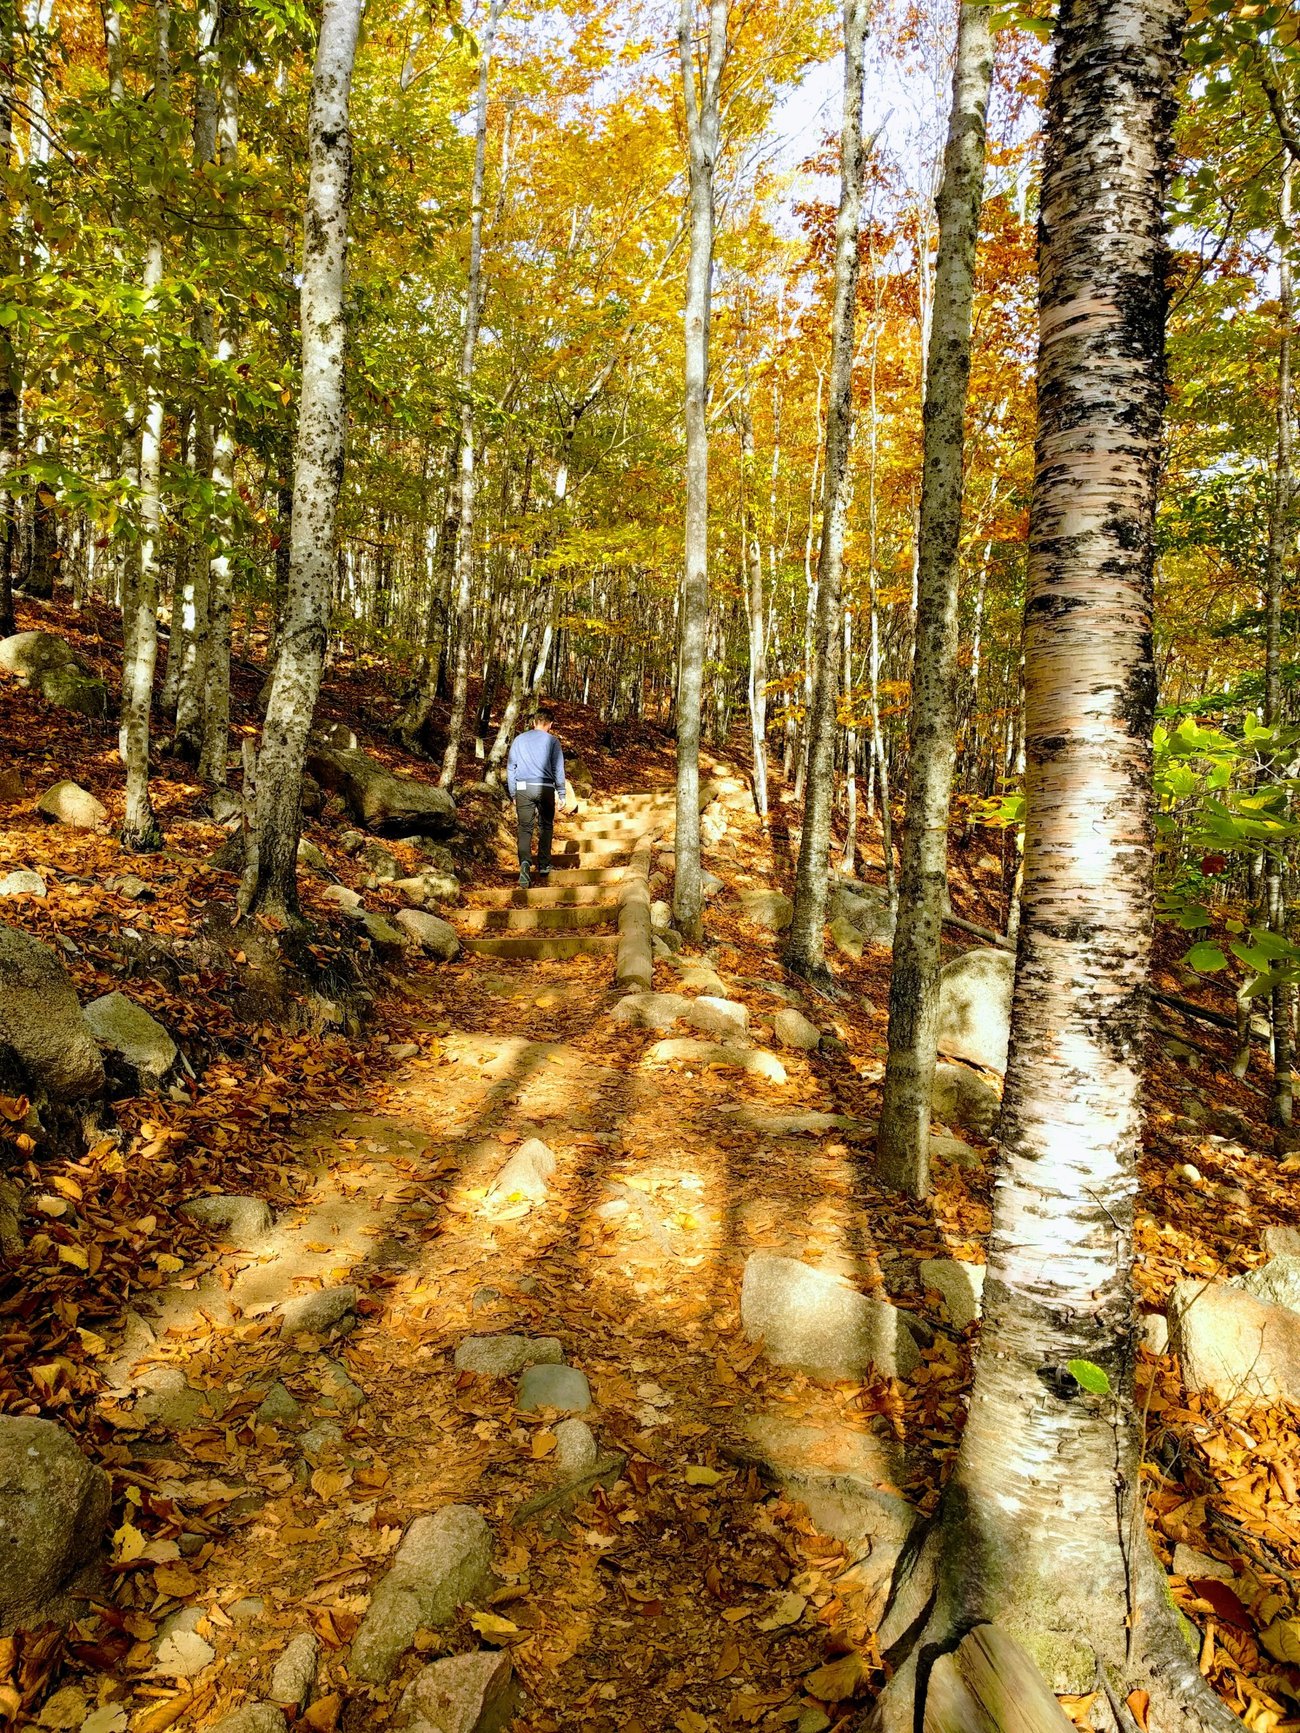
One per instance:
(524,879)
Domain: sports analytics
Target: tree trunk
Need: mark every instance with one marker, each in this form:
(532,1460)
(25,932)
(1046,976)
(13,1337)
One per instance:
(806,947)
(140,828)
(757,610)
(272,886)
(701,93)
(1040,1528)
(473,313)
(1280,540)
(10,372)
(904,1140)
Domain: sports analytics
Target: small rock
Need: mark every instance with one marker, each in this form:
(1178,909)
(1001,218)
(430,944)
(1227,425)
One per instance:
(613,1209)
(129,885)
(702,1054)
(657,1011)
(251,1718)
(1199,1566)
(965,1100)
(240,1220)
(22,884)
(381,865)
(1281,1242)
(507,1356)
(575,1449)
(278,1407)
(975,1006)
(700,978)
(794,1030)
(320,1438)
(866,908)
(945,1148)
(527,1174)
(11,787)
(472,1693)
(381,932)
(320,1312)
(68,803)
(562,1387)
(710,885)
(661,917)
(805,1318)
(348,900)
(669,939)
(433,935)
(1188,1172)
(405,1050)
(310,856)
(1232,1344)
(770,909)
(846,938)
(294,1674)
(1155,1332)
(127,1029)
(430,886)
(341,1391)
(961,1285)
(247,1608)
(443,1560)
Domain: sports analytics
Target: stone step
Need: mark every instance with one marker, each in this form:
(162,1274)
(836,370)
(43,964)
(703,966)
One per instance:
(594,854)
(589,875)
(535,919)
(550,896)
(546,949)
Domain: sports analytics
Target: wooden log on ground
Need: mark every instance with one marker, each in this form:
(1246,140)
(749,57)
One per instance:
(378,798)
(634,966)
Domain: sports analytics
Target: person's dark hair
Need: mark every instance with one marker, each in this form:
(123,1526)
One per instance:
(542,717)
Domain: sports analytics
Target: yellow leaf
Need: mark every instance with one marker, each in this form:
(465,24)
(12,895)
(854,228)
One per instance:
(698,1475)
(543,1444)
(837,1679)
(169,1262)
(75,1256)
(328,1483)
(128,1544)
(177,1580)
(1282,1640)
(92,1341)
(68,1187)
(493,1627)
(689,1722)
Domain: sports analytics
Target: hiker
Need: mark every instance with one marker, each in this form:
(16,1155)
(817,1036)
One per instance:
(535,779)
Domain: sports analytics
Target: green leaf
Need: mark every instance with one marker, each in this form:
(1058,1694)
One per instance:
(1089,1377)
(1206,958)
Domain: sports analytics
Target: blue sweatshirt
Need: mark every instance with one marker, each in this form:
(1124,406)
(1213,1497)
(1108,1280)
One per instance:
(536,757)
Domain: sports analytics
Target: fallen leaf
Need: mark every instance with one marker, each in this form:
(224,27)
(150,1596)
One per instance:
(128,1544)
(543,1444)
(324,1713)
(837,1679)
(787,1611)
(1137,1703)
(698,1475)
(492,1627)
(728,1661)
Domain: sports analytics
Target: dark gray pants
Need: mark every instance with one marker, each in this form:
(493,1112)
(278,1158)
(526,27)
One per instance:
(535,809)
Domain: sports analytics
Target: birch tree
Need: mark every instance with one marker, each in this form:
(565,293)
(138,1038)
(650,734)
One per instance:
(806,947)
(1040,1529)
(702,103)
(904,1139)
(140,602)
(270,884)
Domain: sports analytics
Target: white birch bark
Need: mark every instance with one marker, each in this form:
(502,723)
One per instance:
(702,99)
(1040,1528)
(904,1139)
(806,947)
(270,884)
(140,828)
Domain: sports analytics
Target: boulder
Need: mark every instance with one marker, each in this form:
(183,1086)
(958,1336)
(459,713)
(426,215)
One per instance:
(770,909)
(278,1407)
(348,900)
(383,935)
(389,804)
(661,917)
(127,1029)
(68,803)
(438,855)
(846,938)
(12,788)
(685,1050)
(472,1693)
(715,1016)
(1277,1282)
(310,856)
(527,1174)
(41,1020)
(53,1509)
(1231,1344)
(430,886)
(945,1148)
(552,1386)
(964,1100)
(794,1030)
(382,866)
(701,978)
(442,1561)
(1281,1242)
(251,1718)
(657,1011)
(975,1007)
(961,1286)
(339,1390)
(48,665)
(294,1674)
(865,908)
(319,1312)
(507,1356)
(434,936)
(22,884)
(710,885)
(806,1318)
(241,1221)
(1155,1332)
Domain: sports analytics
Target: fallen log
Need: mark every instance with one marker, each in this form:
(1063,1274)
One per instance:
(378,798)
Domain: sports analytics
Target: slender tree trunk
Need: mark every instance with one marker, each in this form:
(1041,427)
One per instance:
(756,691)
(849,861)
(1281,539)
(473,313)
(140,828)
(701,91)
(1040,1528)
(806,947)
(904,1141)
(271,884)
(10,375)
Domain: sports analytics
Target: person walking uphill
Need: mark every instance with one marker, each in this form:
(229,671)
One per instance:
(535,779)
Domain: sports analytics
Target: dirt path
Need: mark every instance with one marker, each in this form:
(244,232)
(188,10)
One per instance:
(684,1593)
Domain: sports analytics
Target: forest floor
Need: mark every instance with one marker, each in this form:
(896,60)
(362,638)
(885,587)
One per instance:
(688,1595)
